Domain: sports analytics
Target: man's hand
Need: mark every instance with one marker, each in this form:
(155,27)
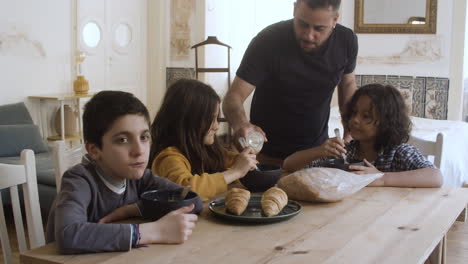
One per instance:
(245,129)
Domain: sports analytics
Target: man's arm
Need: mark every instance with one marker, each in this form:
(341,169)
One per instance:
(233,103)
(233,108)
(346,89)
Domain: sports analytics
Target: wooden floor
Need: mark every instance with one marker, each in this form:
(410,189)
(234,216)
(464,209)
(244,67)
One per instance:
(12,236)
(457,242)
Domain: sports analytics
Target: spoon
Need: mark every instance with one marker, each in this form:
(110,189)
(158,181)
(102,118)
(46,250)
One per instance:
(337,134)
(184,193)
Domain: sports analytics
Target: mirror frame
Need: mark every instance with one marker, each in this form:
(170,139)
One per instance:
(428,28)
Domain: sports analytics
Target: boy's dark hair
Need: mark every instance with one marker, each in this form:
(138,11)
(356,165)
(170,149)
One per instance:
(183,120)
(104,108)
(335,4)
(390,111)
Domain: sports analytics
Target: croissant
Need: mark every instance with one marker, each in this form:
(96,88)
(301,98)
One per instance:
(237,200)
(273,201)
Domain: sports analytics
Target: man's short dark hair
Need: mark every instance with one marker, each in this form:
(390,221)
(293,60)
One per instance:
(104,108)
(335,4)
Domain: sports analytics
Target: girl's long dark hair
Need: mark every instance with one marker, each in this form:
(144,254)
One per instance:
(391,113)
(183,120)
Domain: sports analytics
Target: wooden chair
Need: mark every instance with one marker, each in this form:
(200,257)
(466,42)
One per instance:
(212,40)
(433,148)
(10,177)
(430,148)
(64,159)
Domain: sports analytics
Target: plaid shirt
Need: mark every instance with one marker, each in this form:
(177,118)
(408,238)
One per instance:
(403,157)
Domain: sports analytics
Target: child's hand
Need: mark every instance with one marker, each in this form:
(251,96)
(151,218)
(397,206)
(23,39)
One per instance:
(377,183)
(121,213)
(173,228)
(333,147)
(368,169)
(245,162)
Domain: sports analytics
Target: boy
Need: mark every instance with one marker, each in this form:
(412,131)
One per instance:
(106,186)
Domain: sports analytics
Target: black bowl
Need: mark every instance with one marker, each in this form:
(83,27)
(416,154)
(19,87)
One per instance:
(263,179)
(158,203)
(339,164)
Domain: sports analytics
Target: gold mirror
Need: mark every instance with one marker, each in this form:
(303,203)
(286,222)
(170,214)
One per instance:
(395,16)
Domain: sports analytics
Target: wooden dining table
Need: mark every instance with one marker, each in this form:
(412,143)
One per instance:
(374,225)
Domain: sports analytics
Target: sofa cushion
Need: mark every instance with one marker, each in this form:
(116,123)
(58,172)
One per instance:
(45,179)
(12,114)
(44,167)
(15,138)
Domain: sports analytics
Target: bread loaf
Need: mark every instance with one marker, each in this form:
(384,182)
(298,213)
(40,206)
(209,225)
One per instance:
(324,184)
(299,186)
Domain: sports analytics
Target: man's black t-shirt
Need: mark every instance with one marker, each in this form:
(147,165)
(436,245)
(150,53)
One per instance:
(291,102)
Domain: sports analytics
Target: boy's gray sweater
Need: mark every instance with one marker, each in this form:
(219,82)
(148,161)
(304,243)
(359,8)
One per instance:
(83,200)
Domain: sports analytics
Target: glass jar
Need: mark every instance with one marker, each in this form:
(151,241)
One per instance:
(254,140)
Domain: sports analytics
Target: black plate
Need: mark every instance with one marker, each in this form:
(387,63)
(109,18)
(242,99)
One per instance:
(253,213)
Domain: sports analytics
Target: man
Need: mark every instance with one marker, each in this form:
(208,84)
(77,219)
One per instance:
(294,67)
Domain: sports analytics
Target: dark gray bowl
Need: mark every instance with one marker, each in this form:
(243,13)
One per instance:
(158,203)
(262,180)
(339,164)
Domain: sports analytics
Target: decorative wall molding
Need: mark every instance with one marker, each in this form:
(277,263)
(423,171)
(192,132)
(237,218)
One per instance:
(415,51)
(425,96)
(182,12)
(20,44)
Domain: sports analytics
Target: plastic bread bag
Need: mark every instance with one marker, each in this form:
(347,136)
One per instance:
(324,184)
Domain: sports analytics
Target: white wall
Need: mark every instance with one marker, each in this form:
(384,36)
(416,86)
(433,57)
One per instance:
(236,23)
(157,23)
(455,102)
(465,72)
(159,13)
(35,48)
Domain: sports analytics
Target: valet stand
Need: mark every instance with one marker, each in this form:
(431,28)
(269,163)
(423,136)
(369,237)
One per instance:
(213,40)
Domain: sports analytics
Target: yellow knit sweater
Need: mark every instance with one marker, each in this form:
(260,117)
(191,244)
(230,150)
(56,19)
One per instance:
(172,164)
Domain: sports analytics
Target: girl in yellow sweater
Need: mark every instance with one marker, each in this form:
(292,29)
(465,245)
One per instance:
(184,145)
